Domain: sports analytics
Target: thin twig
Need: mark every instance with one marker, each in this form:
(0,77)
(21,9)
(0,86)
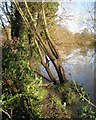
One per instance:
(5,113)
(81,94)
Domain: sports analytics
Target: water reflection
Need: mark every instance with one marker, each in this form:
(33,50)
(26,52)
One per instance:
(81,67)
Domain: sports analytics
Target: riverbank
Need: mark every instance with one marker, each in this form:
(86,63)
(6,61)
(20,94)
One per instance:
(65,41)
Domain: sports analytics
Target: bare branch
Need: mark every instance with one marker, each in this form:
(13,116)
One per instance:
(55,53)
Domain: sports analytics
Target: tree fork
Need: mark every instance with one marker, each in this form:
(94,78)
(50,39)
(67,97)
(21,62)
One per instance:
(45,48)
(44,64)
(57,65)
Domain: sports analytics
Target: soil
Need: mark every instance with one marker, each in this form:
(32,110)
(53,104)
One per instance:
(50,109)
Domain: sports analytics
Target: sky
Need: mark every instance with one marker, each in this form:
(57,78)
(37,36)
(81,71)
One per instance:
(75,16)
(79,16)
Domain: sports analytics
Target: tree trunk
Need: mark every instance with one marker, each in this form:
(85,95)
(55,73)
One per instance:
(45,45)
(57,62)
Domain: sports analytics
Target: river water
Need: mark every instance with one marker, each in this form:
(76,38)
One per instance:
(81,66)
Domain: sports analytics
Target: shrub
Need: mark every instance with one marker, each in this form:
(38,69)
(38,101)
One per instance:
(22,92)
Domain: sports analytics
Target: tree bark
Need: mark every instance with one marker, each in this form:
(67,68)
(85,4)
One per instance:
(48,48)
(57,63)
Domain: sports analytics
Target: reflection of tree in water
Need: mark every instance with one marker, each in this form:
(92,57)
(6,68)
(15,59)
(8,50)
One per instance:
(47,60)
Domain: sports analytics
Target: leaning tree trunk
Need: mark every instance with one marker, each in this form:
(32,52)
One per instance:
(45,45)
(57,62)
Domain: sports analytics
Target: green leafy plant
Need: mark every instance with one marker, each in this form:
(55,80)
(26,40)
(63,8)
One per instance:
(87,113)
(67,92)
(83,93)
(25,101)
(56,101)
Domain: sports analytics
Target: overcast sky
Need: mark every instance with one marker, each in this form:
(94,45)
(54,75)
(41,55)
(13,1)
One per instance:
(78,13)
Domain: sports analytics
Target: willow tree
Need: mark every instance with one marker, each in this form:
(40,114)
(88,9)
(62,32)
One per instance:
(34,17)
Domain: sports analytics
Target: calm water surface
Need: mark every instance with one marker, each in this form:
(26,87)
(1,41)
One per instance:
(81,66)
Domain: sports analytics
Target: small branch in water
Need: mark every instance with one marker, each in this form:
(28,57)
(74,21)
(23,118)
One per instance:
(88,101)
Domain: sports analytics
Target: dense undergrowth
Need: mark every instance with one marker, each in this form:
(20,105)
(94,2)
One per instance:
(22,91)
(23,96)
